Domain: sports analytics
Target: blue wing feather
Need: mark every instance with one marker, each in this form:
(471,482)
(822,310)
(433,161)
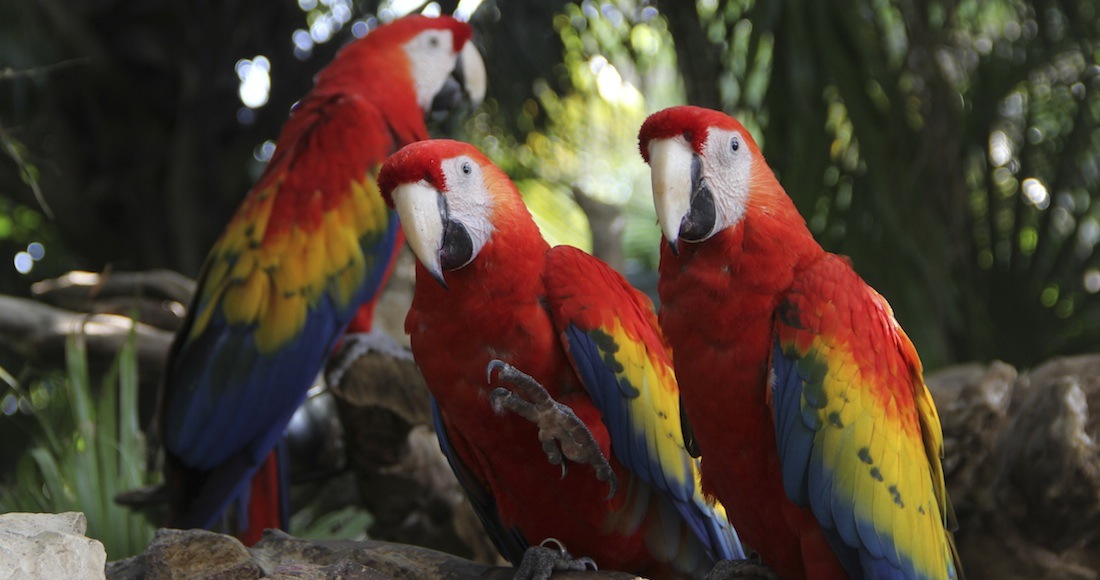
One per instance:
(794,438)
(634,450)
(857,434)
(225,393)
(636,422)
(804,484)
(227,404)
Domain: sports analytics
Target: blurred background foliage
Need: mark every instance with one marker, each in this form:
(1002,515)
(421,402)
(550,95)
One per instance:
(951,149)
(86,446)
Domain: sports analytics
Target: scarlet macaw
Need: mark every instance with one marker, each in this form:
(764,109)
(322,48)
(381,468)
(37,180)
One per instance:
(805,396)
(489,289)
(306,252)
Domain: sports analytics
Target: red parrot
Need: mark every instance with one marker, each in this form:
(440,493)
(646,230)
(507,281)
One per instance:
(805,397)
(490,291)
(307,251)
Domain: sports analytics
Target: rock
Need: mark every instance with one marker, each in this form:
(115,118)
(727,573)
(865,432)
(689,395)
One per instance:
(1048,480)
(36,546)
(404,479)
(1023,466)
(286,556)
(201,554)
(973,402)
(188,554)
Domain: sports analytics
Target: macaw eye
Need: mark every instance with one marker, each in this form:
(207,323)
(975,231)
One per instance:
(466,169)
(735,145)
(433,42)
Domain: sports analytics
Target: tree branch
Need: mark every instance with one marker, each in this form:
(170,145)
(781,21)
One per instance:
(38,332)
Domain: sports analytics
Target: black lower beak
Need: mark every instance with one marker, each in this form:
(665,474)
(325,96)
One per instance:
(453,99)
(457,248)
(702,215)
(449,98)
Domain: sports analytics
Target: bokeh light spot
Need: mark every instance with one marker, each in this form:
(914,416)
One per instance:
(264,151)
(1036,193)
(246,116)
(321,30)
(360,28)
(255,81)
(23,262)
(1000,148)
(10,405)
(303,44)
(1049,296)
(1092,281)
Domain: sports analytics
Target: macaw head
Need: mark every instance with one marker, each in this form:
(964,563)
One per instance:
(434,55)
(707,172)
(451,200)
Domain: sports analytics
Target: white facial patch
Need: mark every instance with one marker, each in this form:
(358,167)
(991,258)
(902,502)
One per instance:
(432,58)
(468,201)
(727,171)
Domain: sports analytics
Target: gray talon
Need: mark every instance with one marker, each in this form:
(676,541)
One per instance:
(563,435)
(494,365)
(539,562)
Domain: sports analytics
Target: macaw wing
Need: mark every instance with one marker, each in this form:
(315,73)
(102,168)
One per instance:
(310,243)
(858,435)
(612,339)
(508,541)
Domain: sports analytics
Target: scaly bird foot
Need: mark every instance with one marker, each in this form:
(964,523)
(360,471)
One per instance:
(563,435)
(539,562)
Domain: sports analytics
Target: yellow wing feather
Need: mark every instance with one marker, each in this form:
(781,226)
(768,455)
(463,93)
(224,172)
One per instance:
(872,428)
(272,281)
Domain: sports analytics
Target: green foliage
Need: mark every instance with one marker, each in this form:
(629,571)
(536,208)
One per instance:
(87,448)
(582,144)
(347,523)
(950,149)
(21,225)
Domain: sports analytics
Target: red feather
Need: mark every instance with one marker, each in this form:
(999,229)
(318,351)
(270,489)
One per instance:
(265,316)
(726,303)
(500,306)
(264,503)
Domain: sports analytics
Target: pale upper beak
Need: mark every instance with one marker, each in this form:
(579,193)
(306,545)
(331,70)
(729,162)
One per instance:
(471,70)
(418,209)
(670,167)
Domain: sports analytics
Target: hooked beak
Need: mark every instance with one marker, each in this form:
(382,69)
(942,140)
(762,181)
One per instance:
(670,162)
(466,86)
(419,209)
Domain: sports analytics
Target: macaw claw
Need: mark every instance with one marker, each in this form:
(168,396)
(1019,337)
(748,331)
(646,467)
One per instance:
(562,433)
(539,562)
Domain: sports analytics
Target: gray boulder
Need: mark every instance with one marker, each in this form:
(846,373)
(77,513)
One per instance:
(37,546)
